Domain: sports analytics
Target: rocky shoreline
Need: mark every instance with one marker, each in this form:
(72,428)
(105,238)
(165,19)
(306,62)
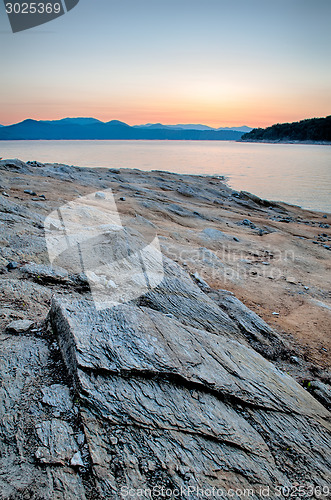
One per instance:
(217,376)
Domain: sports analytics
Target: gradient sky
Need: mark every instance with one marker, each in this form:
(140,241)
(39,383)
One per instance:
(217,62)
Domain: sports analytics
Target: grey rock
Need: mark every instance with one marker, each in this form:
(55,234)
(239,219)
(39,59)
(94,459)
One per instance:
(189,401)
(215,235)
(58,396)
(19,326)
(247,222)
(30,192)
(201,282)
(41,272)
(24,362)
(186,191)
(77,460)
(18,213)
(35,164)
(179,296)
(15,165)
(322,392)
(12,265)
(58,445)
(259,334)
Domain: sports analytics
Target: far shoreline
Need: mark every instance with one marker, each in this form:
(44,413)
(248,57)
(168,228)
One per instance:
(307,143)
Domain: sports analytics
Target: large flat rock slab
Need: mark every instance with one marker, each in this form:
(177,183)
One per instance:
(163,399)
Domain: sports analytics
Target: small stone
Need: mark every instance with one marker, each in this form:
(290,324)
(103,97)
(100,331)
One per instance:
(19,326)
(113,440)
(295,360)
(42,196)
(30,192)
(12,265)
(77,460)
(80,438)
(275,313)
(291,280)
(100,195)
(306,287)
(235,239)
(325,216)
(200,281)
(5,194)
(151,465)
(265,263)
(122,198)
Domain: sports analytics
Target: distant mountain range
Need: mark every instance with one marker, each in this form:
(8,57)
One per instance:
(91,128)
(312,129)
(192,126)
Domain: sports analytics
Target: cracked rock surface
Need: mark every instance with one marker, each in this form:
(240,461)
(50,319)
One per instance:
(185,399)
(184,386)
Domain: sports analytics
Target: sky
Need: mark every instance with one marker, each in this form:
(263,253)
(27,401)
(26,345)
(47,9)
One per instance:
(216,62)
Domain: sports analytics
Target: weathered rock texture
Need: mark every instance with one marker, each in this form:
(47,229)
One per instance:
(174,389)
(167,404)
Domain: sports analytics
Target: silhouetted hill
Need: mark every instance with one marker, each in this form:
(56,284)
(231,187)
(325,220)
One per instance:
(313,129)
(76,121)
(89,128)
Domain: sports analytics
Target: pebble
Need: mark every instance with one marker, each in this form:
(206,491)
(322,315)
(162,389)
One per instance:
(12,265)
(235,238)
(77,460)
(275,313)
(122,198)
(80,438)
(5,194)
(30,192)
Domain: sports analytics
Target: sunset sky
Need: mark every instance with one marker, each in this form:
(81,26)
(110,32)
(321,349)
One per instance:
(216,62)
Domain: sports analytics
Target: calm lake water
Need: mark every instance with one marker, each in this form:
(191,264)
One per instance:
(298,174)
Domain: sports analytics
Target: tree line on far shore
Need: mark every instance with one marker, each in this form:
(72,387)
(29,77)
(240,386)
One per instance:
(313,129)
